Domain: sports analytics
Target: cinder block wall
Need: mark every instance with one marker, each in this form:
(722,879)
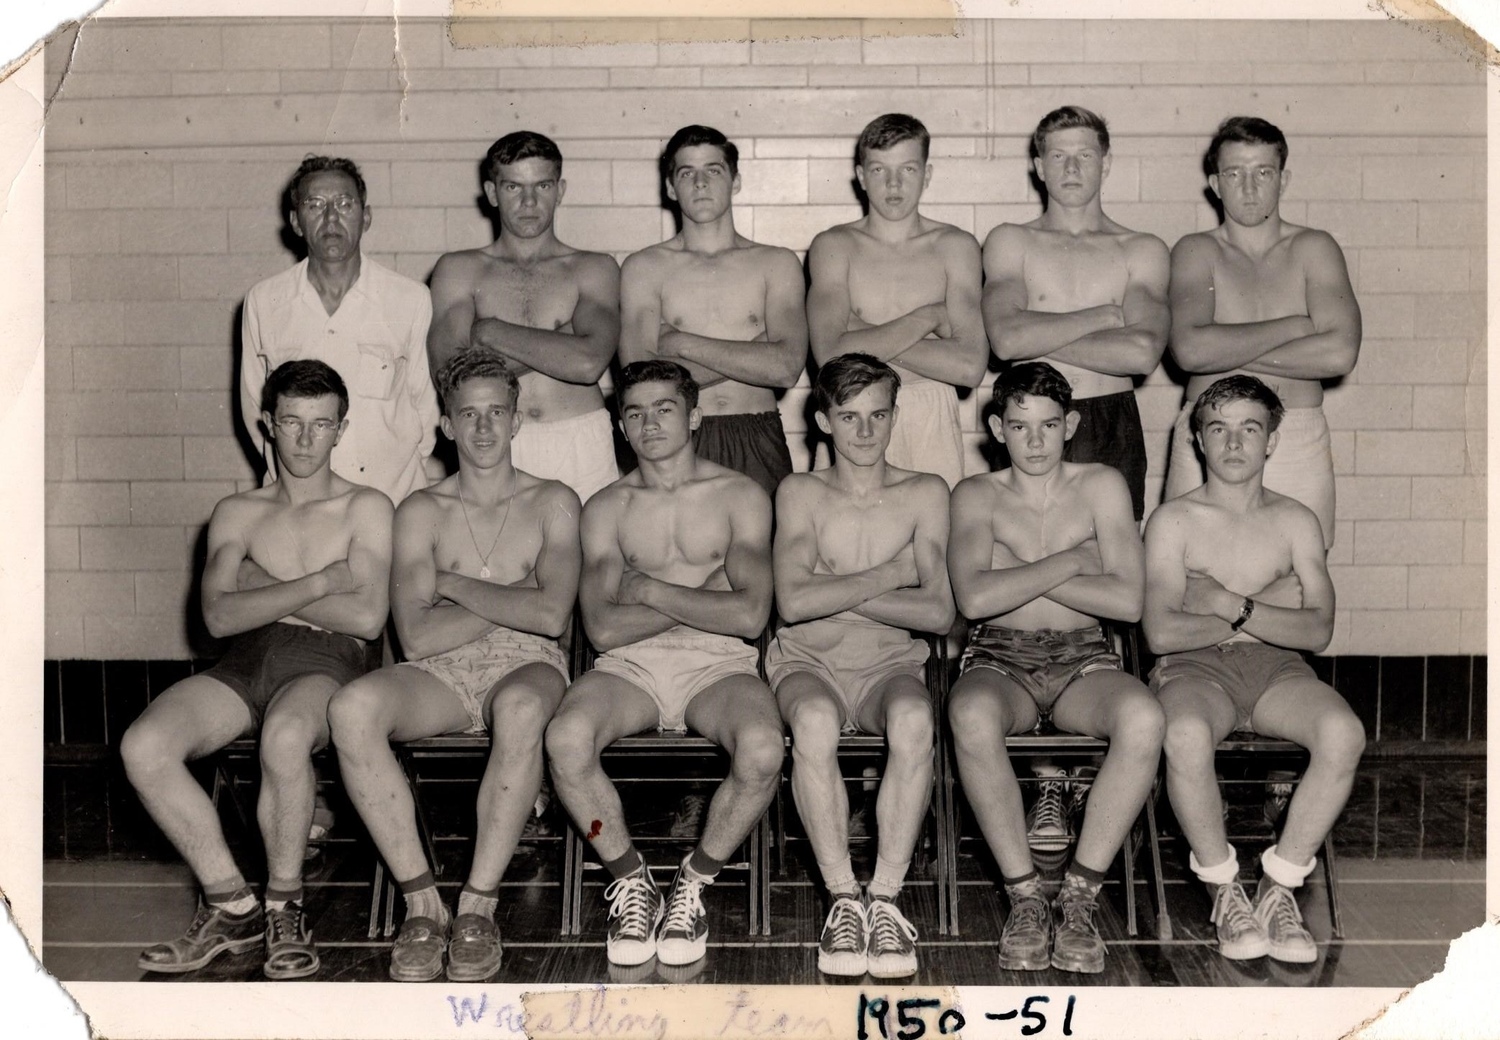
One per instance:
(169,144)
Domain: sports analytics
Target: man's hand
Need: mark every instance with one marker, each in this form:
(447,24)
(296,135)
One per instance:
(338,578)
(1086,552)
(903,568)
(252,576)
(717,581)
(1204,595)
(942,328)
(634,587)
(1285,591)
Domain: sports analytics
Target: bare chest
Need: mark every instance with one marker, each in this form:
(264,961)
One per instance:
(886,282)
(1242,555)
(853,538)
(677,537)
(722,297)
(504,542)
(1248,290)
(539,296)
(1031,531)
(1064,273)
(291,542)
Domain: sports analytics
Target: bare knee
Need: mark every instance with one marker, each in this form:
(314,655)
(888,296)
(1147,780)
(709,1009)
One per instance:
(908,727)
(1140,726)
(758,753)
(571,742)
(145,748)
(356,716)
(287,742)
(1188,741)
(518,716)
(979,724)
(816,723)
(1339,740)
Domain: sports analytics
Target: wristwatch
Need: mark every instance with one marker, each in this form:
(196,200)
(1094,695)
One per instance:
(1246,609)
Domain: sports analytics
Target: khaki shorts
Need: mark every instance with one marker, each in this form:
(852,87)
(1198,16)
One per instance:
(1242,671)
(472,670)
(579,451)
(674,667)
(927,436)
(852,657)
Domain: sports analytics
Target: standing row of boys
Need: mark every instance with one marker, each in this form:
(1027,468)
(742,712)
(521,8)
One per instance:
(673,564)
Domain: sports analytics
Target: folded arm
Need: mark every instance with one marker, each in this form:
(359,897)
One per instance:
(1019,334)
(577,356)
(957,351)
(1116,591)
(427,623)
(779,354)
(988,579)
(928,605)
(641,321)
(1332,348)
(830,310)
(1199,344)
(1170,627)
(1135,348)
(802,593)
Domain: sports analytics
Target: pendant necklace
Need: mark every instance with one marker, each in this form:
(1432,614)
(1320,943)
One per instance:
(484,557)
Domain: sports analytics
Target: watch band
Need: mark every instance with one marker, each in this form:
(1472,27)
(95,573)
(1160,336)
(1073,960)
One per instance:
(1246,609)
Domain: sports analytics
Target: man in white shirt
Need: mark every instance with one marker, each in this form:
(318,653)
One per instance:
(363,319)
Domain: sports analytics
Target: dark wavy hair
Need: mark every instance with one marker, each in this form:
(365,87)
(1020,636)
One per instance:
(303,379)
(521,144)
(889,130)
(474,363)
(657,370)
(318,164)
(849,374)
(1032,379)
(1245,130)
(1238,388)
(696,134)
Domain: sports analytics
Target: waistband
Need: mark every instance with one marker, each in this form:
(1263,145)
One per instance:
(1042,636)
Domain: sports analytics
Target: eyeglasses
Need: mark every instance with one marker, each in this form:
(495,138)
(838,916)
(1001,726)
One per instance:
(345,204)
(294,427)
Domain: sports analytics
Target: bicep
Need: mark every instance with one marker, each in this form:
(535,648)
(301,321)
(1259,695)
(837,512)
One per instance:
(1004,274)
(558,565)
(827,298)
(1146,291)
(930,539)
(1191,288)
(1166,574)
(597,313)
(971,537)
(748,560)
(370,548)
(640,313)
(1310,565)
(413,567)
(786,304)
(795,552)
(1330,297)
(1120,548)
(452,312)
(226,551)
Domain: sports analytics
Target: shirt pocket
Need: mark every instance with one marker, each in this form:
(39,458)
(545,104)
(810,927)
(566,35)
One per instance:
(379,372)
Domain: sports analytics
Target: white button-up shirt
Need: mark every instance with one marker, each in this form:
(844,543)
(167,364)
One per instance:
(377,342)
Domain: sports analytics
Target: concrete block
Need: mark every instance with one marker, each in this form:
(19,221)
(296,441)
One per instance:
(165,593)
(116,84)
(970,75)
(1023,41)
(417,266)
(61,544)
(1087,73)
(604,43)
(334,81)
(935,42)
(1423,72)
(119,185)
(1370,588)
(1473,632)
(58,368)
(1389,542)
(1377,39)
(862,76)
(1458,315)
(124,278)
(174,231)
(57,279)
(95,503)
(831,181)
(299,44)
(977,181)
(550,79)
(1167,221)
(772,181)
(230,276)
(88,323)
(1374,498)
(1433,588)
(1388,316)
(1343,543)
(373,45)
(607,229)
(701,42)
(130,458)
(208,368)
(423,229)
(1476,542)
(1109,40)
(1308,72)
(259,230)
(805,41)
(133,548)
(468,228)
(636,182)
(149,47)
(260,186)
(71,414)
(141,637)
(1441,408)
(1413,270)
(1322,177)
(1396,632)
(85,592)
(1448,497)
(64,637)
(1192,74)
(795,226)
(1366,223)
(82,231)
(755,76)
(498,43)
(184,412)
(1413,452)
(438,182)
(1368,407)
(1170,180)
(188,503)
(1341,444)
(56,187)
(1422,361)
(1419,177)
(1286,41)
(263,81)
(215,458)
(673,78)
(125,368)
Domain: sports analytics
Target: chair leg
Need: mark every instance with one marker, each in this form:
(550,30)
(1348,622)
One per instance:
(377,891)
(946,924)
(570,852)
(575,876)
(1333,892)
(763,886)
(752,880)
(1132,847)
(1163,918)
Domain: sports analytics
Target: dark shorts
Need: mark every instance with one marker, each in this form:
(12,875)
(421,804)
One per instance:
(1109,431)
(1242,671)
(260,662)
(1044,663)
(753,444)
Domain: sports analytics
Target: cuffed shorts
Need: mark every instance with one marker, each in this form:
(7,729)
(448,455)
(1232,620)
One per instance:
(674,667)
(1044,663)
(1242,671)
(852,658)
(472,670)
(262,661)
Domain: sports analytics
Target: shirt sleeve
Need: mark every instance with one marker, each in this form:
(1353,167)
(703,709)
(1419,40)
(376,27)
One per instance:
(423,394)
(252,372)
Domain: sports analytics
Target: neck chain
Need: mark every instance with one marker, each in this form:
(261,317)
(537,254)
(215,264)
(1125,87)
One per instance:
(484,557)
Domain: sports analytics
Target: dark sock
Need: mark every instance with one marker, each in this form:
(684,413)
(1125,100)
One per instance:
(704,865)
(625,865)
(1081,883)
(281,891)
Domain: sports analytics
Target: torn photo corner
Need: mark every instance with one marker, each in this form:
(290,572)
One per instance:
(171,94)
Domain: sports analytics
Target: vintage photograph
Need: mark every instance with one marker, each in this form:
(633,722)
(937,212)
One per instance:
(985,502)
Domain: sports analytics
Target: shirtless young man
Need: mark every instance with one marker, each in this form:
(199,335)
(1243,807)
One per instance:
(485,572)
(700,297)
(676,578)
(904,289)
(859,560)
(1262,297)
(297,575)
(1083,293)
(1236,586)
(1039,552)
(551,310)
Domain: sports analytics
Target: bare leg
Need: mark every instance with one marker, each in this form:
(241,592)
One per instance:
(597,710)
(394,703)
(1313,715)
(193,718)
(901,710)
(1115,706)
(739,714)
(816,719)
(296,726)
(1198,717)
(522,703)
(984,708)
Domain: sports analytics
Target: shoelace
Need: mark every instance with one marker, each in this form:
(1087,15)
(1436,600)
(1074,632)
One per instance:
(1078,914)
(846,923)
(630,900)
(1280,906)
(1233,909)
(282,923)
(1049,807)
(887,926)
(1029,914)
(200,921)
(686,902)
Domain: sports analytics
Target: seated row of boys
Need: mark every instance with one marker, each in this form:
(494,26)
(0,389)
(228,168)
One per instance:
(674,567)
